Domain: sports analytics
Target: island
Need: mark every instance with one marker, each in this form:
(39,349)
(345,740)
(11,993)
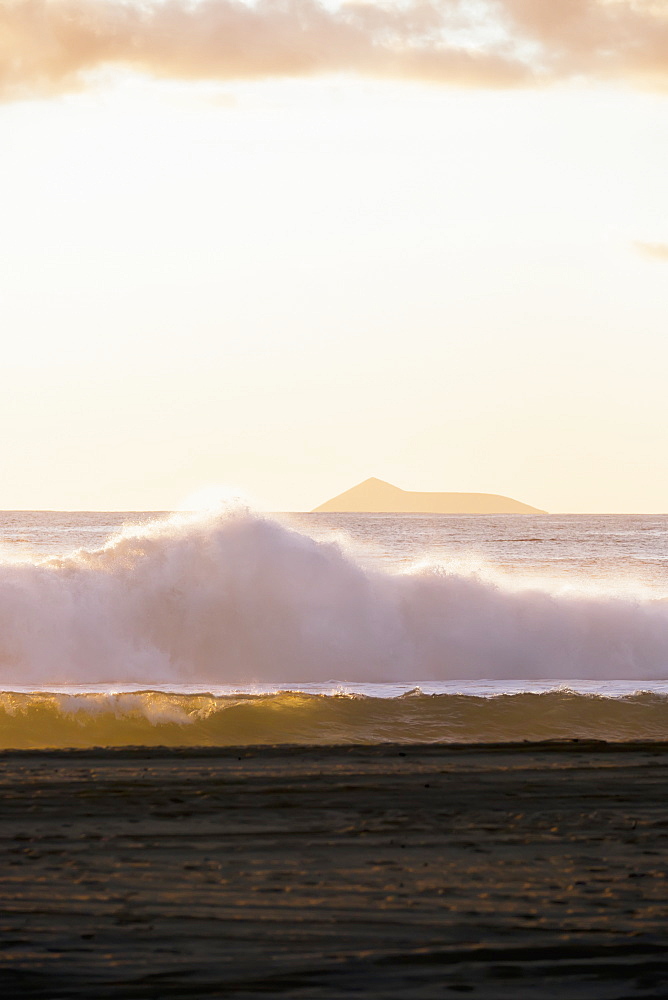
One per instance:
(374,496)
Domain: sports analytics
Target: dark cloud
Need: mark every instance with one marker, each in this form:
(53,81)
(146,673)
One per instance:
(49,45)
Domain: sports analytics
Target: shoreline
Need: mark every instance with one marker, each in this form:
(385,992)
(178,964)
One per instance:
(565,745)
(502,870)
(559,744)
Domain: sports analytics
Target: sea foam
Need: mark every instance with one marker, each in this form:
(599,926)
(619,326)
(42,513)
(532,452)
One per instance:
(237,598)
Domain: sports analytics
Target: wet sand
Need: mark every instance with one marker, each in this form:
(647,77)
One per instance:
(294,872)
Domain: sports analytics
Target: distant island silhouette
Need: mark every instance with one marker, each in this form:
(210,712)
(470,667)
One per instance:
(374,496)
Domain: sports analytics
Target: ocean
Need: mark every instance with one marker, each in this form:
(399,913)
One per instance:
(229,627)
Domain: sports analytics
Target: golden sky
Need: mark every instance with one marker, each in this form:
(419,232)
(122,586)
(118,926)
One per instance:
(284,246)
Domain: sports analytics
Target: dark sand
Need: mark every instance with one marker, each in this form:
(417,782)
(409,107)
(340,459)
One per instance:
(389,872)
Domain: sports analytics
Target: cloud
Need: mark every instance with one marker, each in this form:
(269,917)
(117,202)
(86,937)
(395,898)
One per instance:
(658,251)
(47,46)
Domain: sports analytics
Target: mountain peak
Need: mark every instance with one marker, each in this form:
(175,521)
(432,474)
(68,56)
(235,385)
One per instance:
(375,482)
(375,496)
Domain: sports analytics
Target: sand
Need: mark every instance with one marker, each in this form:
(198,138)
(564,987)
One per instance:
(409,872)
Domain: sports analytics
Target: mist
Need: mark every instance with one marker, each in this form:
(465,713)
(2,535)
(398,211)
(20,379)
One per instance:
(238,598)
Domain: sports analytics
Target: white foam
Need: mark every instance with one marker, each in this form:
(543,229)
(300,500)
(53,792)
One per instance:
(233,598)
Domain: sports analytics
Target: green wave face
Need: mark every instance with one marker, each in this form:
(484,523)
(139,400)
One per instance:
(151,718)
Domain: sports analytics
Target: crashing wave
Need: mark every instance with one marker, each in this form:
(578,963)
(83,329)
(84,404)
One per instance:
(238,598)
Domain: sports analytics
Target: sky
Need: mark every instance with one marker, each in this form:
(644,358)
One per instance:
(280,247)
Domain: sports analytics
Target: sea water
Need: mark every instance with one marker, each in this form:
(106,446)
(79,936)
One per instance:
(230,627)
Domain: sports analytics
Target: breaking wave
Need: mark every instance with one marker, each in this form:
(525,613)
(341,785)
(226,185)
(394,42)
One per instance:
(235,598)
(151,718)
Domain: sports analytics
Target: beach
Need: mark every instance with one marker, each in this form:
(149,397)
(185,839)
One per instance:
(333,521)
(498,871)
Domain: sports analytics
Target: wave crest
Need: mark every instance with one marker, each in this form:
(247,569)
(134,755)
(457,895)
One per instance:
(238,598)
